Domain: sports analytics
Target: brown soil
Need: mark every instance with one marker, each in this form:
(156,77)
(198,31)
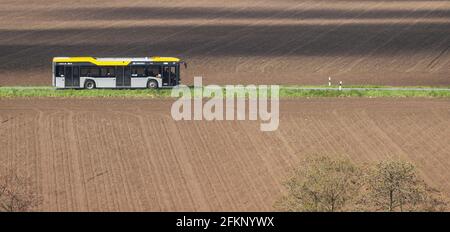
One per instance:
(125,154)
(229,42)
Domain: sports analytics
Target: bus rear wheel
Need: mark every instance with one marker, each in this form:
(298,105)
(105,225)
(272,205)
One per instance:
(89,84)
(152,84)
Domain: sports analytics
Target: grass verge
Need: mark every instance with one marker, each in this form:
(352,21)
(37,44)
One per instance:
(285,92)
(289,93)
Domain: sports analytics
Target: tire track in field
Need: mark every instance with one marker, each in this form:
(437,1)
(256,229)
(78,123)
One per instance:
(424,63)
(419,61)
(435,61)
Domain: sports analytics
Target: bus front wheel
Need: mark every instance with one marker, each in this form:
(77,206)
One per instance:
(152,84)
(89,84)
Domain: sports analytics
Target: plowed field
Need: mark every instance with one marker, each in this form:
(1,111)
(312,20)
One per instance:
(130,155)
(229,42)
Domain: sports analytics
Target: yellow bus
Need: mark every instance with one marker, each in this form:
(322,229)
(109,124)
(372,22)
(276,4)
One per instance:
(92,72)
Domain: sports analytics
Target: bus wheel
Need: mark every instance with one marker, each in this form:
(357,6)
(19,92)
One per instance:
(89,84)
(152,84)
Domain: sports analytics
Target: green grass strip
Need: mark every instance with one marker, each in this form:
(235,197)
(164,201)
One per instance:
(285,92)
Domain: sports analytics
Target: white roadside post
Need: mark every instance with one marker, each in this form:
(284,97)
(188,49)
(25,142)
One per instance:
(329,81)
(340,85)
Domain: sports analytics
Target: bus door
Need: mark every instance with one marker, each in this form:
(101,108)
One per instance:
(123,77)
(76,76)
(68,76)
(169,75)
(71,76)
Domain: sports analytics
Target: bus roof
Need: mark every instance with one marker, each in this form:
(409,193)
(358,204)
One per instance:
(101,61)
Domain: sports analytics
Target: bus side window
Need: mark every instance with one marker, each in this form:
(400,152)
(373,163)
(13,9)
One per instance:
(59,71)
(153,70)
(112,71)
(173,71)
(138,71)
(89,72)
(94,72)
(169,70)
(84,72)
(108,72)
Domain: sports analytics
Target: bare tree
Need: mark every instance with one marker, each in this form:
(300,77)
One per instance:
(395,186)
(16,192)
(321,183)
